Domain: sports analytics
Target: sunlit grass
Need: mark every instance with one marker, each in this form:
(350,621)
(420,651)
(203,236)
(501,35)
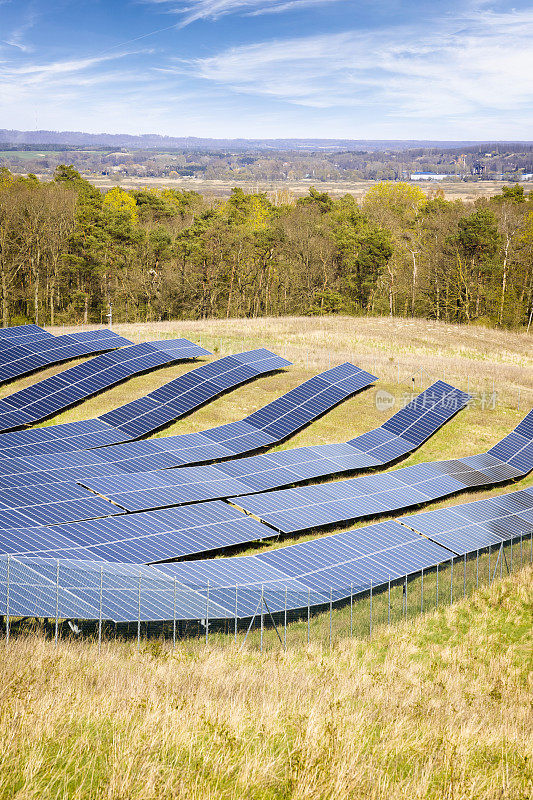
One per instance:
(438,706)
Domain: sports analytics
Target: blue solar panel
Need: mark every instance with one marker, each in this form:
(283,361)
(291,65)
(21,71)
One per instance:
(197,447)
(294,510)
(23,331)
(253,474)
(313,572)
(140,416)
(139,538)
(83,380)
(23,357)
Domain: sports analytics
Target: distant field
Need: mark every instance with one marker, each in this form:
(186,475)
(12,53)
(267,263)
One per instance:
(453,189)
(26,155)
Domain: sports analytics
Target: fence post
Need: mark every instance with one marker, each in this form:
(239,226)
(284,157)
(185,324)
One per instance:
(262,616)
(351,610)
(139,614)
(308,614)
(422,591)
(207,616)
(501,560)
(330,613)
(285,622)
(437,589)
(371,608)
(451,582)
(236,611)
(100,610)
(8,577)
(57,604)
(174,619)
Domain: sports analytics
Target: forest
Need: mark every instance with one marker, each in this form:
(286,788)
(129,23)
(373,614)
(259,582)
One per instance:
(67,252)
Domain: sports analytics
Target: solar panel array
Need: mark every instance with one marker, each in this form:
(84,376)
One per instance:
(264,472)
(60,391)
(307,507)
(142,416)
(21,355)
(314,572)
(68,502)
(19,332)
(281,417)
(139,538)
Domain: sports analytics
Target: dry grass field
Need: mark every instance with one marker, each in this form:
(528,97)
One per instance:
(438,706)
(453,189)
(434,708)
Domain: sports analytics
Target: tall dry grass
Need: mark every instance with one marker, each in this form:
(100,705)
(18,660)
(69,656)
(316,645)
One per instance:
(436,708)
(469,356)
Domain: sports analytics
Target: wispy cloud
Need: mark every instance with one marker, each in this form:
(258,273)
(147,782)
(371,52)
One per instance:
(63,70)
(193,10)
(17,37)
(477,63)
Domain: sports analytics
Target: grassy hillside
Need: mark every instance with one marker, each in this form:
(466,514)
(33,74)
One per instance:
(439,707)
(435,707)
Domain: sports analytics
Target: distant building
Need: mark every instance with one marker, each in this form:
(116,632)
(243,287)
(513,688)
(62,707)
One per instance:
(528,176)
(427,176)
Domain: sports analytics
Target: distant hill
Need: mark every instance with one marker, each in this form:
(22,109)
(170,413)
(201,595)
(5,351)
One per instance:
(154,141)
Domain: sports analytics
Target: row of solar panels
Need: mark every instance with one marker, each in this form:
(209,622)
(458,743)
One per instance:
(60,391)
(307,507)
(23,331)
(21,506)
(152,536)
(416,422)
(145,415)
(310,573)
(267,426)
(20,355)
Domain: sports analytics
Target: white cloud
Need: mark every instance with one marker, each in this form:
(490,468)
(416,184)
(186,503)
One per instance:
(27,74)
(17,37)
(193,10)
(476,64)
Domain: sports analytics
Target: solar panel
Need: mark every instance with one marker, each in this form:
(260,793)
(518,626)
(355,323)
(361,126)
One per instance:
(21,331)
(21,358)
(83,380)
(292,510)
(362,497)
(136,490)
(313,572)
(258,473)
(169,402)
(139,538)
(222,442)
(89,590)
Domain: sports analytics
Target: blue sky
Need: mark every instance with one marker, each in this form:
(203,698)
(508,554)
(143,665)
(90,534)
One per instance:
(359,69)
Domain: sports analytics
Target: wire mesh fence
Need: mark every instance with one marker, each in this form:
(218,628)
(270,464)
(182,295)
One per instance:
(102,602)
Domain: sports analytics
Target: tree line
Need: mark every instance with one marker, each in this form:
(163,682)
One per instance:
(67,252)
